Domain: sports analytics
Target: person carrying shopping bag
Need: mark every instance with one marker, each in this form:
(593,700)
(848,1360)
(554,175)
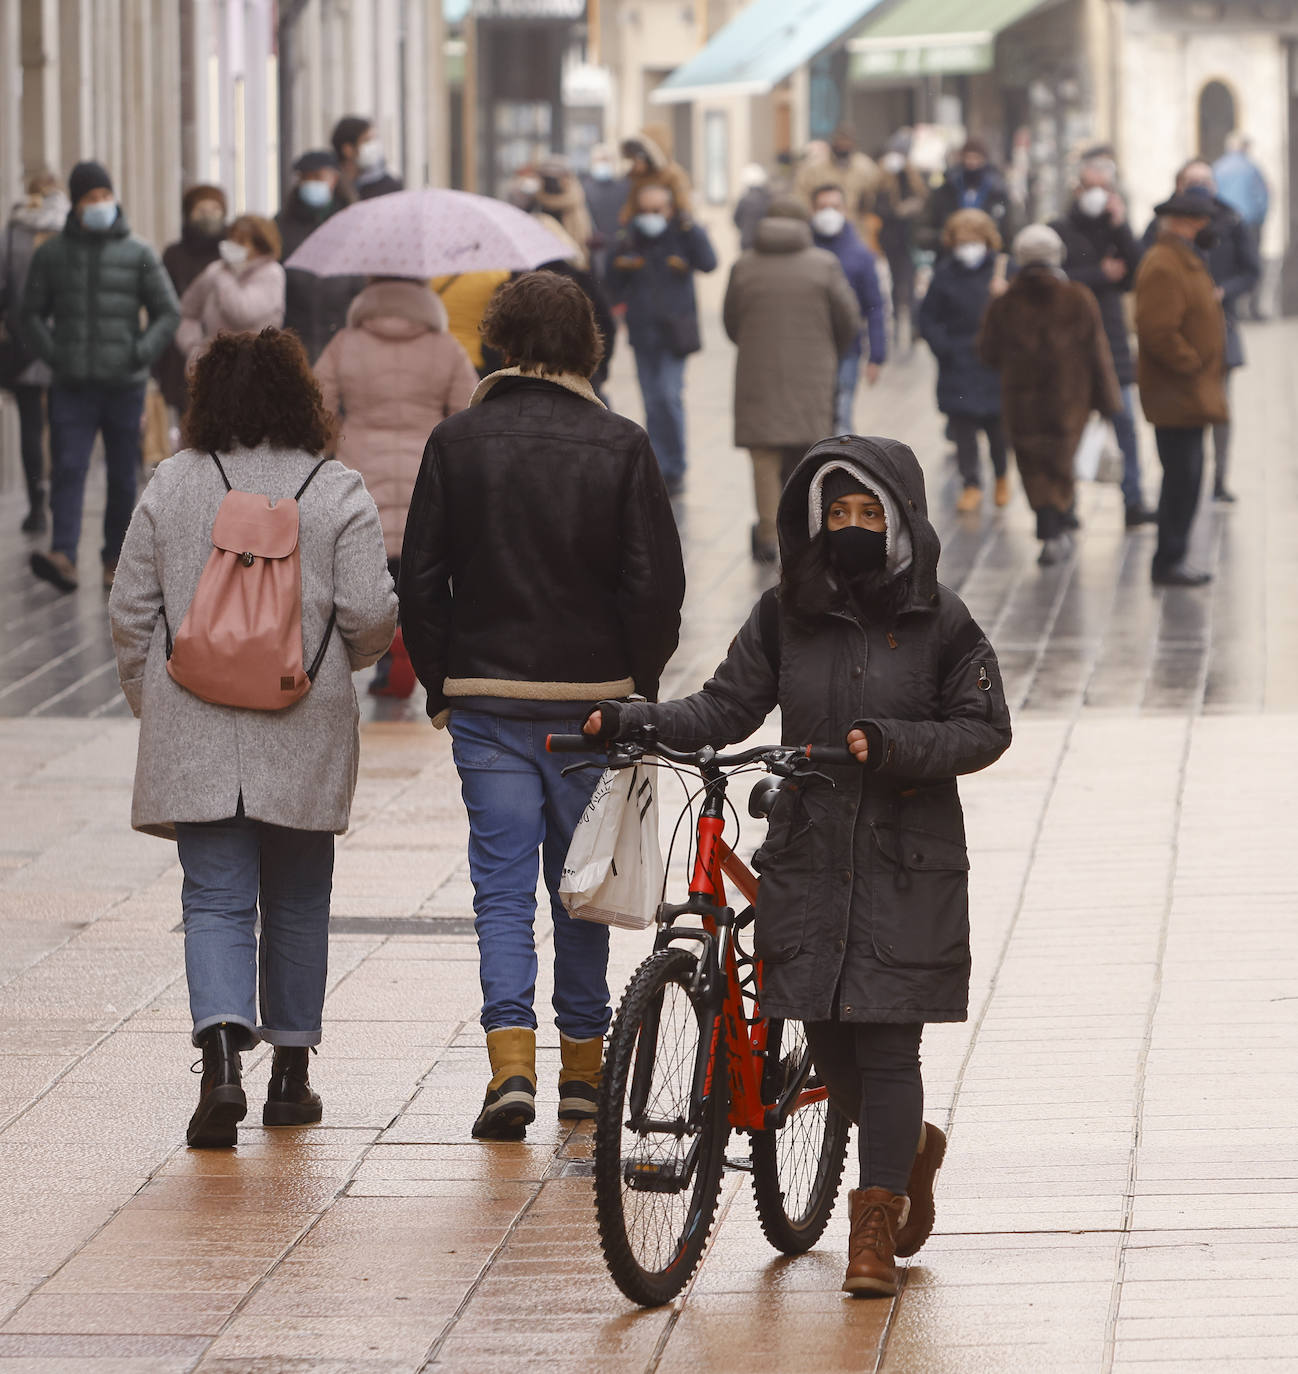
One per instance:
(252,797)
(541,571)
(862,919)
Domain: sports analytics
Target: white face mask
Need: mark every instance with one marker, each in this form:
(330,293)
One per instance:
(369,155)
(893,162)
(529,185)
(1093,201)
(971,254)
(828,223)
(602,171)
(234,254)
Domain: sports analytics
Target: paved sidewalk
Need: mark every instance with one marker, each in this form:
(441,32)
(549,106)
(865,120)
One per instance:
(1121,1191)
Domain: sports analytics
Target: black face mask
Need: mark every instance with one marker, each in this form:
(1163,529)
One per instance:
(1207,239)
(973,175)
(856,552)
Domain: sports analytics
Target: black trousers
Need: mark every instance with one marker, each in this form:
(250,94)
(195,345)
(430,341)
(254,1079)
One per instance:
(1181,453)
(964,431)
(872,1070)
(31,433)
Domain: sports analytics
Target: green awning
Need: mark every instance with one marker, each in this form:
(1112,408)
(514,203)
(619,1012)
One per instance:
(932,37)
(762,44)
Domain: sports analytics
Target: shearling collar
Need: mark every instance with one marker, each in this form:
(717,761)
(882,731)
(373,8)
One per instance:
(570,381)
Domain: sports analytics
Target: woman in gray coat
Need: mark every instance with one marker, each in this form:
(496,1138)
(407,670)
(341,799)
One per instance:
(253,798)
(863,910)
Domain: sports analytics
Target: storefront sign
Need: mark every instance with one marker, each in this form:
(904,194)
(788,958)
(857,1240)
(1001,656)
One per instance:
(565,10)
(922,59)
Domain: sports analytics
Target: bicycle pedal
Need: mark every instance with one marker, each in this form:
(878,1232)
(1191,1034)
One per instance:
(739,1164)
(649,1176)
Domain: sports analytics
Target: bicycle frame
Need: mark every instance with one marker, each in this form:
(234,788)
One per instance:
(757,1100)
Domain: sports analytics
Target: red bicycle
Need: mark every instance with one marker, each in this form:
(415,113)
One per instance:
(691,1058)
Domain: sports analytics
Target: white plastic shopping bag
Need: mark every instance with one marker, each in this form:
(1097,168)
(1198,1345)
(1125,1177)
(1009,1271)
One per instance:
(614,870)
(1093,460)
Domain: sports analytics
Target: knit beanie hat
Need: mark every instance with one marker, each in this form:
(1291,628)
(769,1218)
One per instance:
(1038,246)
(86,177)
(839,482)
(317,160)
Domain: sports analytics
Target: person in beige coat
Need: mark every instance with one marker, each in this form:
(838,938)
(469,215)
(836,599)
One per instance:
(392,376)
(793,315)
(252,798)
(242,290)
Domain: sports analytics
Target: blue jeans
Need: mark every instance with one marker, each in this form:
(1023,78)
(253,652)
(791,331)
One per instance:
(849,371)
(520,805)
(662,384)
(77,415)
(229,866)
(1124,428)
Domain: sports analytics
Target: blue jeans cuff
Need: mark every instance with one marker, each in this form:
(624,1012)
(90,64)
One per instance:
(289,1038)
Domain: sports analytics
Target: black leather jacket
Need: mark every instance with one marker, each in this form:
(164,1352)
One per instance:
(541,559)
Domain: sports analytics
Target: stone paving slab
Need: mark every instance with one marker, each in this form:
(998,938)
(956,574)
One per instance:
(1120,1189)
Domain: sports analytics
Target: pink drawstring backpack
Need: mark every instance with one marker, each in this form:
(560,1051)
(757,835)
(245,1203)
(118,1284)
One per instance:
(240,643)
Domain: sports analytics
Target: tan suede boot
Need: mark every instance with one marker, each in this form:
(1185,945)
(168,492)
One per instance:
(579,1076)
(970,500)
(876,1216)
(1002,494)
(923,1172)
(510,1104)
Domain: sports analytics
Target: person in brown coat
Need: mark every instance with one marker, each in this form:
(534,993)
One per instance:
(1047,339)
(793,315)
(652,164)
(1181,330)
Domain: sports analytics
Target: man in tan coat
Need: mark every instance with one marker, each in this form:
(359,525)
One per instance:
(793,315)
(1182,335)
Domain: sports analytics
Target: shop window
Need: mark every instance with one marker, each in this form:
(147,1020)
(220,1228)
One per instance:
(1217,119)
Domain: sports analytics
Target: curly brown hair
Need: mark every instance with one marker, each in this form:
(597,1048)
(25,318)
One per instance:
(544,322)
(252,389)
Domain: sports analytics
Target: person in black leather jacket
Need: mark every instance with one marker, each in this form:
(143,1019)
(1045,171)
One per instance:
(541,571)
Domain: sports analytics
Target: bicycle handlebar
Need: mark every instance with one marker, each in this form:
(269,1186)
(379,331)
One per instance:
(792,754)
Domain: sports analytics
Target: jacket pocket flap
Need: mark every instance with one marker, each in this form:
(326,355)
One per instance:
(248,523)
(919,850)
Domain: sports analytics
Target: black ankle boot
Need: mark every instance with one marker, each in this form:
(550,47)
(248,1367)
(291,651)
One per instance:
(221,1102)
(289,1099)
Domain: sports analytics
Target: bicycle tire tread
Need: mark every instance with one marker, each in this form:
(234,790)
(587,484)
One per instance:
(641,1286)
(775,1222)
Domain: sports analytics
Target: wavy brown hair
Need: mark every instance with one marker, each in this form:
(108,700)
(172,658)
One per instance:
(544,322)
(253,389)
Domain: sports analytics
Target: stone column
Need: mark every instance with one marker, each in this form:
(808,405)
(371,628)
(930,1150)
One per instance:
(11,157)
(41,115)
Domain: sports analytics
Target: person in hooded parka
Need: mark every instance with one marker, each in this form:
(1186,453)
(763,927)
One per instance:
(862,921)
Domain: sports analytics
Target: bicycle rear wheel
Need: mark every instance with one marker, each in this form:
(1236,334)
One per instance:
(797,1169)
(657,1167)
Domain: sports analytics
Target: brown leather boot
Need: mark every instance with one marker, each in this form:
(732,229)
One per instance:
(876,1216)
(923,1172)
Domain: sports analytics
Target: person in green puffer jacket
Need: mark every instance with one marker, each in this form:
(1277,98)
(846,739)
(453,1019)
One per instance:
(81,314)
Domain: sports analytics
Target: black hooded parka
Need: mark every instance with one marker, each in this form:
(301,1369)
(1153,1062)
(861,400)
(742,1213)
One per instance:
(863,908)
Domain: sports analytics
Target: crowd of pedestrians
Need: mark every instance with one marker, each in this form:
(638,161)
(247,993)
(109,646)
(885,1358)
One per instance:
(436,463)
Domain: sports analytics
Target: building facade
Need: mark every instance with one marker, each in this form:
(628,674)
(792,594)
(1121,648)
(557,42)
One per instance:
(169,93)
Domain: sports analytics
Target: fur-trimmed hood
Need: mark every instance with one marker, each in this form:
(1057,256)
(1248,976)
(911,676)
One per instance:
(398,309)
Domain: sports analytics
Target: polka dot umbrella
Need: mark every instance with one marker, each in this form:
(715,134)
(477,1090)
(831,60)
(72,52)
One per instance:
(428,233)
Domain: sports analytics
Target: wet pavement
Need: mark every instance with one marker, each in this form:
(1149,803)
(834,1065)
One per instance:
(1121,1191)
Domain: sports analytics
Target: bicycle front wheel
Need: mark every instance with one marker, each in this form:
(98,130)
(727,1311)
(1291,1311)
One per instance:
(797,1169)
(658,1162)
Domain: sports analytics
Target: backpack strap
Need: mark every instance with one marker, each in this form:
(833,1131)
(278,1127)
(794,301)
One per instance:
(324,644)
(221,470)
(768,624)
(309,478)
